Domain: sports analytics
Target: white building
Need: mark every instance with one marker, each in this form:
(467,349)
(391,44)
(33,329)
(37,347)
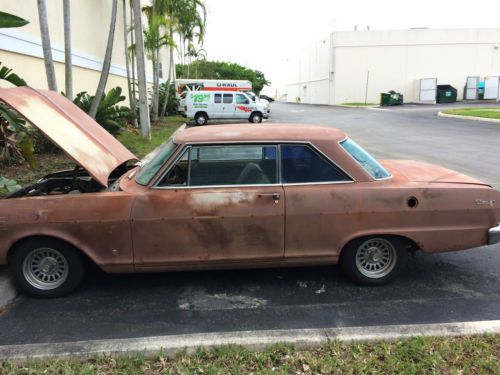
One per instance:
(349,66)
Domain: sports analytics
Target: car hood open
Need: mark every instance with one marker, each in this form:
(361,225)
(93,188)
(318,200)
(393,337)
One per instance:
(87,142)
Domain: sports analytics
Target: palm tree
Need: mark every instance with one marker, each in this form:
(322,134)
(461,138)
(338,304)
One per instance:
(47,49)
(141,71)
(106,65)
(68,66)
(127,65)
(183,17)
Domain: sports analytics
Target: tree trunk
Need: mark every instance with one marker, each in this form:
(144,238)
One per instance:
(167,92)
(68,64)
(141,71)
(132,42)
(131,98)
(106,65)
(170,67)
(156,78)
(47,49)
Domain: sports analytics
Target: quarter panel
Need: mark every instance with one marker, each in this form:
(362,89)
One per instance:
(96,223)
(321,219)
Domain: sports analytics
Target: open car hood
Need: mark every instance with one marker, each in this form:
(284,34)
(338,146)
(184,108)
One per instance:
(87,142)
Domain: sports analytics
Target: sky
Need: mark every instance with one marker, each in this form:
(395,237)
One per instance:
(263,34)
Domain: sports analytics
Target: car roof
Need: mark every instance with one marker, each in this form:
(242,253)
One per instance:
(276,132)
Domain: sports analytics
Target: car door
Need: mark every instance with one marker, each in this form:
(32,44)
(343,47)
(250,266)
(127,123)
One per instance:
(242,109)
(317,202)
(215,205)
(217,106)
(227,105)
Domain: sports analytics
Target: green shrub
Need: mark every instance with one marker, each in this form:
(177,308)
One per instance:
(110,115)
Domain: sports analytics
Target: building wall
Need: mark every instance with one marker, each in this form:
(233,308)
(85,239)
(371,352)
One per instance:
(20,48)
(309,74)
(394,60)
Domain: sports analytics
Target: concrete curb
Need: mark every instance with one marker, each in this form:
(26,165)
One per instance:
(472,118)
(7,289)
(357,106)
(254,340)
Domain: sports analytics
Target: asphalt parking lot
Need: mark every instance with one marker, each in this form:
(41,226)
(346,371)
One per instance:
(450,287)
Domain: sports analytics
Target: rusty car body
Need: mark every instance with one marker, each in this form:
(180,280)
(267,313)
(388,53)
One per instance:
(233,196)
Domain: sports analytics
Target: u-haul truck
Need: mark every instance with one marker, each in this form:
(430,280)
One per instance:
(184,86)
(208,105)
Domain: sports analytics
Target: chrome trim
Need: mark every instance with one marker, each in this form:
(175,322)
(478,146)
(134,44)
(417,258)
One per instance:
(494,235)
(242,143)
(178,187)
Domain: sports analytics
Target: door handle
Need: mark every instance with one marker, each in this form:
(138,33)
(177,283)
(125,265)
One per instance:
(275,196)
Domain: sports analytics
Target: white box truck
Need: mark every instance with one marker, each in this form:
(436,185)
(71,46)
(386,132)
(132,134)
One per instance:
(211,105)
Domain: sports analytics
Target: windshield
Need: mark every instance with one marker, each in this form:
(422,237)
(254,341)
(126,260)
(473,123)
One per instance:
(153,161)
(368,162)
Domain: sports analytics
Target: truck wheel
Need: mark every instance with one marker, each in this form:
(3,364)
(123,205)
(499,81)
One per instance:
(373,260)
(201,119)
(255,118)
(47,268)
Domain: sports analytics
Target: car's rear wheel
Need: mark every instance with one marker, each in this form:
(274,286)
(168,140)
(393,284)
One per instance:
(373,260)
(255,118)
(47,268)
(201,119)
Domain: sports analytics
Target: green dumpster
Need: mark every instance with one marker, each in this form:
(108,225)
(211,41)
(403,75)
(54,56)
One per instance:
(391,98)
(446,94)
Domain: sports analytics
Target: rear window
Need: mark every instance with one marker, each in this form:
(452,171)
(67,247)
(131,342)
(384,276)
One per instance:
(368,162)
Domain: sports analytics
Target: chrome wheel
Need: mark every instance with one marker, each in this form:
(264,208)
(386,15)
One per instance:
(376,258)
(256,119)
(45,268)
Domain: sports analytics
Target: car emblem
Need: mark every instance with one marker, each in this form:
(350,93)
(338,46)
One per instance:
(482,202)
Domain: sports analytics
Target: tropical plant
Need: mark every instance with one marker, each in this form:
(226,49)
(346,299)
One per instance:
(47,49)
(110,115)
(9,185)
(170,101)
(10,20)
(106,64)
(15,142)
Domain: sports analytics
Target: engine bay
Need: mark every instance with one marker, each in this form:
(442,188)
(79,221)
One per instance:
(76,181)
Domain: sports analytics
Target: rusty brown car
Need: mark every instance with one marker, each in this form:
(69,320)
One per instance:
(233,196)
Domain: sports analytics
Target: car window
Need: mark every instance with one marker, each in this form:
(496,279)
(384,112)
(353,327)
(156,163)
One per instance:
(177,175)
(301,164)
(233,165)
(153,161)
(228,98)
(242,99)
(217,98)
(368,162)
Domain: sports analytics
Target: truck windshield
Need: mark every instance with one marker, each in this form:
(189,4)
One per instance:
(153,161)
(368,162)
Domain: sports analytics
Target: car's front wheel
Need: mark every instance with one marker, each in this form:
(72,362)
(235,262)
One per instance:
(47,268)
(373,260)
(255,118)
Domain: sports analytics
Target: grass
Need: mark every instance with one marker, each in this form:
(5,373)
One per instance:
(493,113)
(355,104)
(49,163)
(459,355)
(159,134)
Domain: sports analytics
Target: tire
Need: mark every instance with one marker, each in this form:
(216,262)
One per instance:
(201,119)
(255,118)
(375,260)
(47,268)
